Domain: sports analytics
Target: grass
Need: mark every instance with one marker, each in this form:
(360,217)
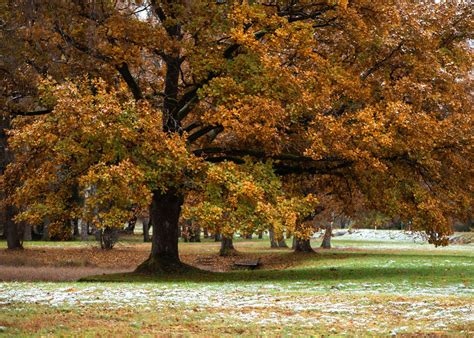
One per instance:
(358,288)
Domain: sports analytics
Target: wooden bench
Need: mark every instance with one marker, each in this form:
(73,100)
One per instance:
(251,264)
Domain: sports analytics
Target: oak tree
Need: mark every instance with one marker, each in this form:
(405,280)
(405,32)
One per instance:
(370,101)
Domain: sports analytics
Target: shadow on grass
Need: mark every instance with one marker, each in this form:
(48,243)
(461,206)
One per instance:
(320,271)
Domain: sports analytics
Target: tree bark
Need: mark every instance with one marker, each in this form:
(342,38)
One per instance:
(10,228)
(131,225)
(326,244)
(75,228)
(146,229)
(12,232)
(84,229)
(302,245)
(277,242)
(227,246)
(273,242)
(164,215)
(27,232)
(195,234)
(45,235)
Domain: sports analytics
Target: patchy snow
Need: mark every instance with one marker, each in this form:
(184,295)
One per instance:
(372,235)
(303,304)
(379,235)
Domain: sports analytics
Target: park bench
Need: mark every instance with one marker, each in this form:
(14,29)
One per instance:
(249,264)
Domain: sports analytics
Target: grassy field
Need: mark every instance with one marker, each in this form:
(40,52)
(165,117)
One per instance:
(357,288)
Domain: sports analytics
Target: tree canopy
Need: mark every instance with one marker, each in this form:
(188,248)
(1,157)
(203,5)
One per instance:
(359,104)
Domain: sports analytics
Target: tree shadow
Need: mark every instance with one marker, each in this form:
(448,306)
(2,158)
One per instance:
(320,270)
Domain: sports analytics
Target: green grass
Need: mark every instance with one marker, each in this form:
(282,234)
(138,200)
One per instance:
(358,288)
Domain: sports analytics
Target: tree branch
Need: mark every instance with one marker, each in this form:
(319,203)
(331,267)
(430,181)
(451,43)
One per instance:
(32,113)
(130,81)
(201,132)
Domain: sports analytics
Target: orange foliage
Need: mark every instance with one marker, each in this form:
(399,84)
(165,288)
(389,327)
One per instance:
(371,99)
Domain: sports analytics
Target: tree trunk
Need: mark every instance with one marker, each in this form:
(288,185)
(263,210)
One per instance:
(227,246)
(45,235)
(260,235)
(27,232)
(84,229)
(195,234)
(164,215)
(95,231)
(131,225)
(146,229)
(277,242)
(10,228)
(206,233)
(108,238)
(282,243)
(217,237)
(273,242)
(12,232)
(326,244)
(75,228)
(302,245)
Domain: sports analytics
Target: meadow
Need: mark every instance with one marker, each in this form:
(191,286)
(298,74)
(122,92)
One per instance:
(363,288)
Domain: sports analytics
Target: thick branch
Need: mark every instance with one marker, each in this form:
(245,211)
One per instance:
(122,68)
(202,132)
(32,113)
(255,153)
(130,81)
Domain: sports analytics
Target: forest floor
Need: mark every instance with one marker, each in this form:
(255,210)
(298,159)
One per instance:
(357,288)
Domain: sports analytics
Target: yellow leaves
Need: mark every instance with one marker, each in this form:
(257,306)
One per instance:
(100,142)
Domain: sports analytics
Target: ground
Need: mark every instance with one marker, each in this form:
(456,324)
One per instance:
(357,288)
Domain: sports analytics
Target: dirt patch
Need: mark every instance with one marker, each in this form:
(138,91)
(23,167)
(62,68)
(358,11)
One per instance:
(53,274)
(70,263)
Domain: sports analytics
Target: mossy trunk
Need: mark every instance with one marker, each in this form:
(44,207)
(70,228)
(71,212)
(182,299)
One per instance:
(164,215)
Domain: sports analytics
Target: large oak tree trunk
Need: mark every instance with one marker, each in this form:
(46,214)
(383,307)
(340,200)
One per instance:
(164,214)
(227,246)
(302,245)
